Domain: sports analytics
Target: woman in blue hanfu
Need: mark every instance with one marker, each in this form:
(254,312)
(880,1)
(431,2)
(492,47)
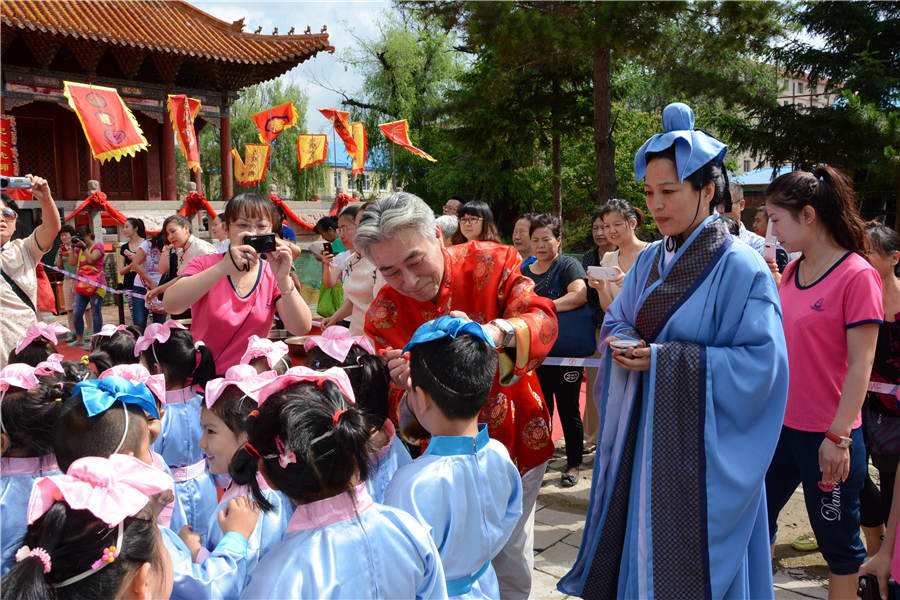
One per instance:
(693,396)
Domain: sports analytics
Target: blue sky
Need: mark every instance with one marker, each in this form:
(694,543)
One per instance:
(346,21)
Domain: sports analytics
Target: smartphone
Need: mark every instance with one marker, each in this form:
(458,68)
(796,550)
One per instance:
(602,273)
(327,248)
(77,240)
(623,344)
(771,244)
(262,243)
(7,183)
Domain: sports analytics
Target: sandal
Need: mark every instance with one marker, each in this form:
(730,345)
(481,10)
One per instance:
(805,543)
(589,449)
(568,480)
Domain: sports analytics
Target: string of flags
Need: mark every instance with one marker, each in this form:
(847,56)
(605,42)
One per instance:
(113,132)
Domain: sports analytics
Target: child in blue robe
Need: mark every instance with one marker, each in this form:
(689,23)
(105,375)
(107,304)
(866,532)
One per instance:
(371,380)
(463,472)
(169,349)
(311,444)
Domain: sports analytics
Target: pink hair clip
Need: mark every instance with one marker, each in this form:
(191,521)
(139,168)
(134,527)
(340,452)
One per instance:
(286,456)
(110,330)
(297,374)
(138,373)
(262,347)
(336,342)
(243,377)
(156,332)
(26,552)
(53,364)
(110,554)
(18,375)
(39,329)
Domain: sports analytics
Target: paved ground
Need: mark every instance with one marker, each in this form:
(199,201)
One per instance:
(559,524)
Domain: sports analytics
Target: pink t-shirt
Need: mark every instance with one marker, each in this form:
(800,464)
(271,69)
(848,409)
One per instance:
(816,320)
(224,320)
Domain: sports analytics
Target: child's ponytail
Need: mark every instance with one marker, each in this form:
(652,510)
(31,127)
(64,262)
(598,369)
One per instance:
(204,365)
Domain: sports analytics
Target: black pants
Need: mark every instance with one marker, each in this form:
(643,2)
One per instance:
(564,384)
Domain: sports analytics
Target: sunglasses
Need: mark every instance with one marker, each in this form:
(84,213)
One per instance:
(471,220)
(9,214)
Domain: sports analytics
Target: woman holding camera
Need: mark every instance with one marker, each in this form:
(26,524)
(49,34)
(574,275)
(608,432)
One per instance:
(18,259)
(87,253)
(235,295)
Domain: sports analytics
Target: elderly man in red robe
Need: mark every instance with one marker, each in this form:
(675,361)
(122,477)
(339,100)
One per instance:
(480,280)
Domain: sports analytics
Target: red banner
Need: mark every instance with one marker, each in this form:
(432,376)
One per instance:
(110,128)
(311,149)
(275,120)
(194,203)
(182,112)
(253,169)
(362,147)
(398,132)
(340,118)
(9,153)
(288,213)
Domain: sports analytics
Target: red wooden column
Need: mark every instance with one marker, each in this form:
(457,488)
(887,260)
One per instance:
(225,155)
(167,142)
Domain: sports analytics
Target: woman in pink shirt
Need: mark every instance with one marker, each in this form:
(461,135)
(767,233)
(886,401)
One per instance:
(235,294)
(831,303)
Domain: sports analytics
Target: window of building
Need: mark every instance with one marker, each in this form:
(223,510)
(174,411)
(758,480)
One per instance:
(746,165)
(337,179)
(799,87)
(365,179)
(786,84)
(786,102)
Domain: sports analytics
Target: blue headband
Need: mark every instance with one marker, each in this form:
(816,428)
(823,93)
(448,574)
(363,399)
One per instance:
(693,148)
(100,394)
(447,326)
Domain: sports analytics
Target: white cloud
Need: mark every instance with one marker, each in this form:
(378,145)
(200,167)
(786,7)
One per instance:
(346,21)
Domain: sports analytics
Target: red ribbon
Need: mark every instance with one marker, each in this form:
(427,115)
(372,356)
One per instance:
(98,199)
(288,213)
(340,201)
(194,203)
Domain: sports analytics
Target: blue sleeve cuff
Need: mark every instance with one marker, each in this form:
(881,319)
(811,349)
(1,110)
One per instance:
(233,542)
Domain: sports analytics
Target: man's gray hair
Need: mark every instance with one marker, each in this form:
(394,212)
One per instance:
(448,224)
(737,191)
(384,218)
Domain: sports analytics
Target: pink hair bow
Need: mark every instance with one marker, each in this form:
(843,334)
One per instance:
(272,351)
(39,329)
(298,374)
(53,364)
(18,375)
(243,377)
(156,332)
(111,488)
(336,342)
(138,373)
(109,330)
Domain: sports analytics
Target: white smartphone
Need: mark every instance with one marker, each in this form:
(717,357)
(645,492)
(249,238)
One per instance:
(623,344)
(771,243)
(602,273)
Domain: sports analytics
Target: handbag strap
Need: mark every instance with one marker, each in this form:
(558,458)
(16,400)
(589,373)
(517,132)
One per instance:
(18,291)
(554,290)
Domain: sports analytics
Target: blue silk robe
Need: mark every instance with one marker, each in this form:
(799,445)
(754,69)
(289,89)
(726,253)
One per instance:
(347,546)
(677,505)
(18,476)
(220,577)
(180,431)
(384,463)
(469,493)
(269,528)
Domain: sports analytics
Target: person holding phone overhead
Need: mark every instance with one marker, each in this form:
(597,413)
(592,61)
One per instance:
(692,410)
(235,294)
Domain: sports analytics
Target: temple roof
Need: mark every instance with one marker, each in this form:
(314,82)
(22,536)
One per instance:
(170,29)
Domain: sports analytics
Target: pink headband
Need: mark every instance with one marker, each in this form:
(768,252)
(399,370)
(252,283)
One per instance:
(138,373)
(243,377)
(111,488)
(39,329)
(156,332)
(298,374)
(53,364)
(336,342)
(110,330)
(272,351)
(18,375)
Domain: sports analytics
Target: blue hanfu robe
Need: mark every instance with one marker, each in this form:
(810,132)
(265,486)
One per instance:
(220,577)
(384,463)
(468,492)
(270,526)
(677,506)
(17,476)
(180,432)
(347,546)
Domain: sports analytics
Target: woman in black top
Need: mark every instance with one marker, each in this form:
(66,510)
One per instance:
(134,230)
(561,383)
